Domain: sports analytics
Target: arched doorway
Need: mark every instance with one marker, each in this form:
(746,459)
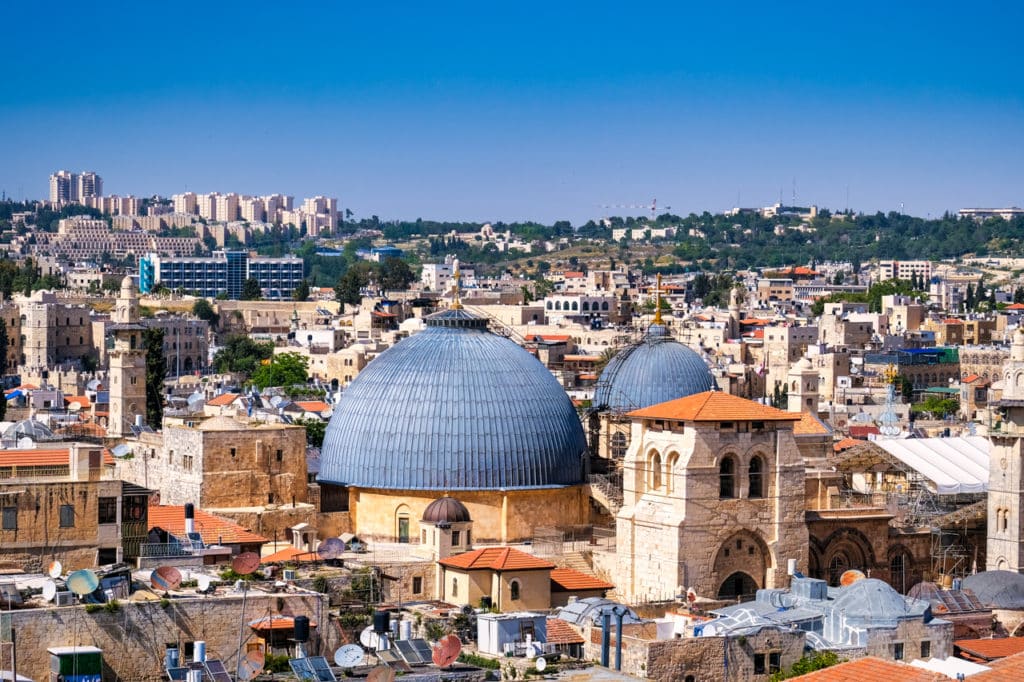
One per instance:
(739,585)
(742,553)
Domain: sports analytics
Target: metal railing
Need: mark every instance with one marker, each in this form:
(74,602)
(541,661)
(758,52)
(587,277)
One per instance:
(163,549)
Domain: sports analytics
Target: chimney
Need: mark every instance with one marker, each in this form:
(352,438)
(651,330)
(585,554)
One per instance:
(190,518)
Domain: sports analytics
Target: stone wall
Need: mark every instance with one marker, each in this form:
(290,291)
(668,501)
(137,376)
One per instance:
(134,637)
(707,659)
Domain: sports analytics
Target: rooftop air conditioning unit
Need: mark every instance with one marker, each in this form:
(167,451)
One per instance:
(64,599)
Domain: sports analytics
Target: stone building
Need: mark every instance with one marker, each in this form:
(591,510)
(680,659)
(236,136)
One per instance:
(65,503)
(10,313)
(52,332)
(713,499)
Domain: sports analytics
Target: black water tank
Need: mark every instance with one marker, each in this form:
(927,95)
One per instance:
(381,622)
(301,628)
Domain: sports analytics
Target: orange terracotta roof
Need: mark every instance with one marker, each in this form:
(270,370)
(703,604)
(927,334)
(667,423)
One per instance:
(213,529)
(568,580)
(970,378)
(809,425)
(83,429)
(222,400)
(560,632)
(573,274)
(588,377)
(1015,306)
(1009,669)
(713,406)
(847,443)
(553,338)
(754,321)
(496,559)
(276,623)
(313,405)
(289,554)
(27,387)
(871,668)
(82,400)
(42,458)
(581,358)
(863,430)
(952,320)
(991,649)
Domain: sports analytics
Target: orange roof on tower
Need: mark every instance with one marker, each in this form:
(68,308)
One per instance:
(713,406)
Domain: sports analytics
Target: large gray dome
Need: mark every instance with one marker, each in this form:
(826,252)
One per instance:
(454,407)
(656,370)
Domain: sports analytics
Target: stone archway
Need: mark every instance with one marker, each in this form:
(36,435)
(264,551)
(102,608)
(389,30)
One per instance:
(743,552)
(738,585)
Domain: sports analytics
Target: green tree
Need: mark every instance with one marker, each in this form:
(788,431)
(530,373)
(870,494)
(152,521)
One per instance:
(204,311)
(395,275)
(349,289)
(251,290)
(153,342)
(1018,295)
(807,664)
(285,369)
(302,291)
(315,430)
(969,298)
(242,354)
(838,279)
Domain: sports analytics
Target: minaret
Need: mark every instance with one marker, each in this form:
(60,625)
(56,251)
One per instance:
(127,363)
(457,286)
(1006,470)
(734,314)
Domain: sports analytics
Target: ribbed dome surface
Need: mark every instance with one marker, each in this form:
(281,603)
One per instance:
(871,600)
(997,589)
(656,370)
(454,407)
(446,510)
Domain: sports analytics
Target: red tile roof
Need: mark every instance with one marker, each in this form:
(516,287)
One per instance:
(991,649)
(213,529)
(1015,306)
(222,400)
(553,338)
(871,668)
(581,358)
(82,400)
(42,457)
(1009,669)
(496,559)
(809,425)
(713,406)
(313,405)
(847,443)
(289,554)
(560,632)
(568,580)
(863,431)
(754,321)
(969,378)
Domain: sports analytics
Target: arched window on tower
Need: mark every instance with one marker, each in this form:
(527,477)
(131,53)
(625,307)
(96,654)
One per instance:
(513,590)
(727,478)
(755,477)
(836,567)
(655,471)
(898,572)
(671,473)
(619,445)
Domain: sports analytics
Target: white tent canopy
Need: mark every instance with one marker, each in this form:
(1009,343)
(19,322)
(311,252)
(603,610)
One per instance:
(953,465)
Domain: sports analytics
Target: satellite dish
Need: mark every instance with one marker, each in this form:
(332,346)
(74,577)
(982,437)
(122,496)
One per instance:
(49,590)
(446,651)
(275,401)
(25,443)
(166,578)
(349,656)
(540,664)
(368,638)
(850,577)
(381,673)
(74,407)
(331,548)
(83,582)
(468,610)
(202,582)
(249,667)
(54,569)
(120,451)
(245,563)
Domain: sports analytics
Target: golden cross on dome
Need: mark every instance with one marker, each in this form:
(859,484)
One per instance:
(456,291)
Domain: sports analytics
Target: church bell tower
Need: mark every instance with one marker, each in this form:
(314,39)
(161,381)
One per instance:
(127,361)
(1006,470)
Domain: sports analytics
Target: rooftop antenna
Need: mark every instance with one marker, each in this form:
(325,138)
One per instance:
(794,190)
(657,300)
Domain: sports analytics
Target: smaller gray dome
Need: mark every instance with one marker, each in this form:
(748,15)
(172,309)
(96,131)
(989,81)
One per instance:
(446,510)
(870,599)
(35,430)
(997,589)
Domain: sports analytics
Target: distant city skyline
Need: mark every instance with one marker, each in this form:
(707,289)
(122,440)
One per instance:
(529,112)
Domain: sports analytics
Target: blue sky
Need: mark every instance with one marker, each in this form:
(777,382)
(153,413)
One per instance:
(543,111)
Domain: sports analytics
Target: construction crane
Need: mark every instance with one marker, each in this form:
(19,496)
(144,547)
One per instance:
(652,207)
